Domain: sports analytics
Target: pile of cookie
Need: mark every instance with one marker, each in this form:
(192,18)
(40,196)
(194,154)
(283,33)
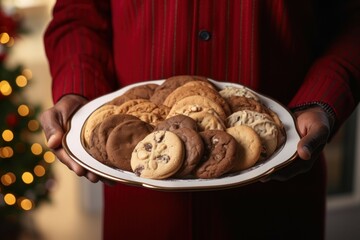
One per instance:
(183,128)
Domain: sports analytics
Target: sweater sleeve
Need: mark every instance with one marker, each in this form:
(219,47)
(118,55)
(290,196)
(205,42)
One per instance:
(334,78)
(78,44)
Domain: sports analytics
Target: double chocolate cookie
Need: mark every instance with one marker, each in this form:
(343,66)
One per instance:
(220,154)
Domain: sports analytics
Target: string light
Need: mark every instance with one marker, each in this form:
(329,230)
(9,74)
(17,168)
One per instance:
(36,149)
(8,179)
(14,179)
(49,157)
(39,170)
(4,38)
(6,152)
(21,81)
(10,199)
(23,110)
(7,135)
(33,125)
(27,177)
(26,204)
(5,88)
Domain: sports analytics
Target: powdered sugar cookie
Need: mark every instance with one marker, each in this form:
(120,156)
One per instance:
(242,91)
(261,123)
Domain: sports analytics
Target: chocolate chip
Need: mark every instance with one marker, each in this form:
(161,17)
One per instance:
(148,147)
(163,158)
(138,170)
(159,136)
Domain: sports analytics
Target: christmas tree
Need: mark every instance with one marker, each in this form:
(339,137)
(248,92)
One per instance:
(25,164)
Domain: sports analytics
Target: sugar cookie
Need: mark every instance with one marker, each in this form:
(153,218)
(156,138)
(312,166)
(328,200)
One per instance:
(159,155)
(249,146)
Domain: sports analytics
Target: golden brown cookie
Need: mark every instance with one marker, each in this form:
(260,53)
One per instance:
(203,102)
(159,155)
(170,84)
(144,91)
(182,92)
(249,146)
(219,156)
(200,83)
(124,108)
(238,103)
(149,112)
(206,118)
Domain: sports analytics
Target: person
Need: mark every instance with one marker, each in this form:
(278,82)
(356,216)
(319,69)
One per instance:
(304,54)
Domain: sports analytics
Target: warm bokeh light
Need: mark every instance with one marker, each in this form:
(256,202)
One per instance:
(10,199)
(5,88)
(49,157)
(23,110)
(36,148)
(4,38)
(26,204)
(6,152)
(27,177)
(33,125)
(8,179)
(21,81)
(7,135)
(39,170)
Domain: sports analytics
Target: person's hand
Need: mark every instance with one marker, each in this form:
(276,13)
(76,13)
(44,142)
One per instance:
(314,128)
(54,123)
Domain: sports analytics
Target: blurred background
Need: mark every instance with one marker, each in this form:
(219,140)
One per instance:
(43,200)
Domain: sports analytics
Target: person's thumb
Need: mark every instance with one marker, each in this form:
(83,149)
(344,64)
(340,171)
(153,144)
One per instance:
(54,120)
(52,129)
(312,143)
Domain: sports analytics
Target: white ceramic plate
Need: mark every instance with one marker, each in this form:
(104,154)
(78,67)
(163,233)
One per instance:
(72,143)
